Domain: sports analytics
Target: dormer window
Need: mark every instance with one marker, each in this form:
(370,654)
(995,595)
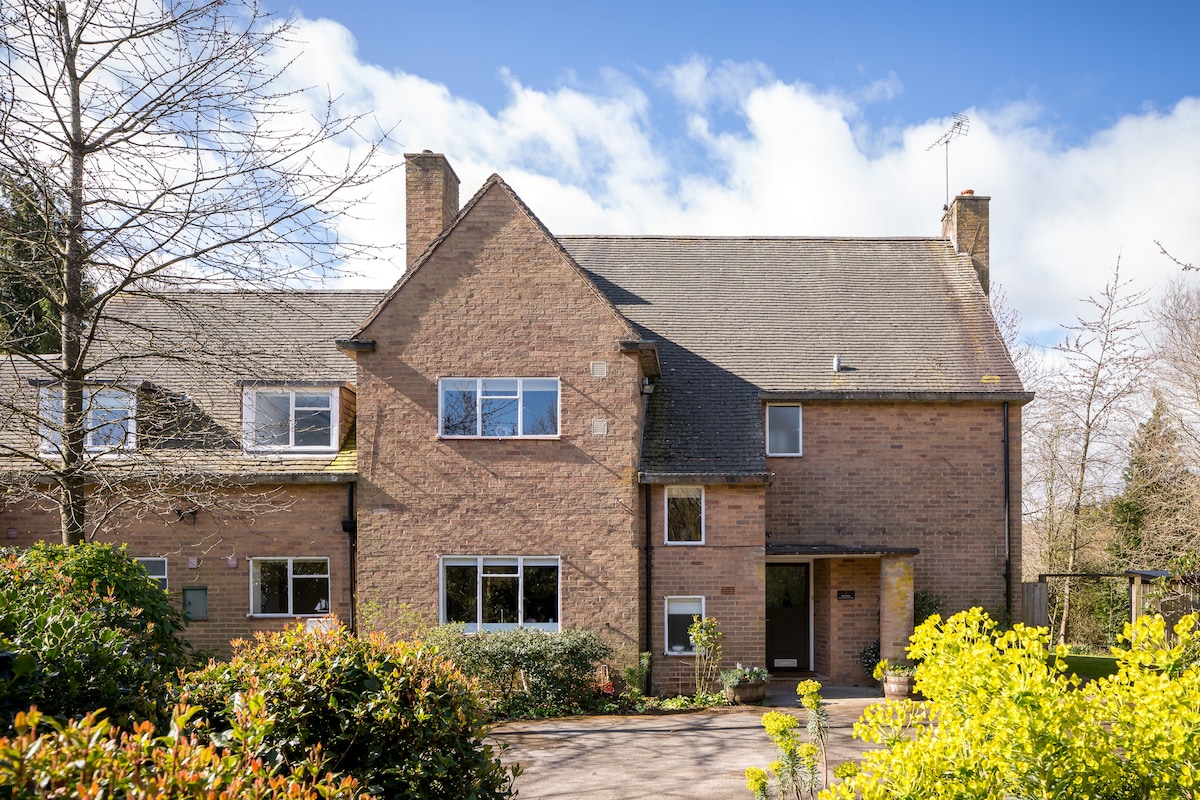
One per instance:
(109,419)
(290,419)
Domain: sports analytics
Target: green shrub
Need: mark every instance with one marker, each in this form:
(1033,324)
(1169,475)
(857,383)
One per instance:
(528,673)
(396,716)
(1133,734)
(91,758)
(81,628)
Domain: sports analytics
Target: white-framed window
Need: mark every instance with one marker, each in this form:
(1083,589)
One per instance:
(681,612)
(109,418)
(498,407)
(783,430)
(299,419)
(289,587)
(684,515)
(492,593)
(157,568)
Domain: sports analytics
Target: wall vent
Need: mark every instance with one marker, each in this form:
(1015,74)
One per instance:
(599,427)
(599,369)
(728,590)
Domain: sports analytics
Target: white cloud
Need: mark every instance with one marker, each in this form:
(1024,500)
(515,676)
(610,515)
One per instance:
(793,163)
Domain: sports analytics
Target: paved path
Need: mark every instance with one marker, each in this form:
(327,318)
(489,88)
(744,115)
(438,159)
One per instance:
(694,756)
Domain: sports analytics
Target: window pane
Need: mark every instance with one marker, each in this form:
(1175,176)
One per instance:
(680,613)
(500,599)
(51,413)
(311,595)
(783,430)
(461,583)
(685,510)
(157,569)
(499,416)
(108,417)
(541,594)
(539,408)
(314,566)
(272,419)
(319,400)
(313,429)
(458,408)
(500,387)
(271,587)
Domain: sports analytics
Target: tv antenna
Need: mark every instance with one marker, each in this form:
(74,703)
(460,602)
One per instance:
(960,127)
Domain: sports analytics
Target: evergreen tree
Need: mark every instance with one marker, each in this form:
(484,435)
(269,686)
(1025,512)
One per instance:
(30,285)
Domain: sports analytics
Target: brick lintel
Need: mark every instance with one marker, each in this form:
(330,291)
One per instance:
(837,550)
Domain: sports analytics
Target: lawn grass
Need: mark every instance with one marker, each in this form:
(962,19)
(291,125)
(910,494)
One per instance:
(1091,667)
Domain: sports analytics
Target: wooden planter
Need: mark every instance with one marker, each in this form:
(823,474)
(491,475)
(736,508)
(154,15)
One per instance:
(897,687)
(747,694)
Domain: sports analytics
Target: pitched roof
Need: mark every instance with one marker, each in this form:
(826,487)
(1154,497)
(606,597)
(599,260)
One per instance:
(740,319)
(197,349)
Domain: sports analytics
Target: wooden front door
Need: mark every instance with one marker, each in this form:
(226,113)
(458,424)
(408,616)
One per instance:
(788,631)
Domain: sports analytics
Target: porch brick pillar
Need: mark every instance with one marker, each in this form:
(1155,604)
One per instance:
(895,605)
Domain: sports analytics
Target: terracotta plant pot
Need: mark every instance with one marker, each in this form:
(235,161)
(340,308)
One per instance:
(897,687)
(747,694)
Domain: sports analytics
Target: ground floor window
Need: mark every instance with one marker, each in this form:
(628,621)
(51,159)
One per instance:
(157,567)
(289,586)
(500,592)
(680,614)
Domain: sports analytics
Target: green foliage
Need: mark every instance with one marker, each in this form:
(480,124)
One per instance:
(83,628)
(31,287)
(706,638)
(635,676)
(91,758)
(926,604)
(528,673)
(1135,734)
(397,717)
(868,658)
(797,771)
(740,675)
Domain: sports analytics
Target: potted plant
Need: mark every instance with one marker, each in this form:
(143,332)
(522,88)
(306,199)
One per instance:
(897,678)
(745,685)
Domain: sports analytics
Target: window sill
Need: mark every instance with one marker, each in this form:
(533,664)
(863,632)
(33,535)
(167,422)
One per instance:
(290,453)
(501,438)
(316,615)
(669,543)
(692,654)
(785,455)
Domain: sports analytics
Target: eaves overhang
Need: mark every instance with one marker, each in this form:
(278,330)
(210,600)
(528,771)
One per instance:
(737,478)
(647,353)
(860,396)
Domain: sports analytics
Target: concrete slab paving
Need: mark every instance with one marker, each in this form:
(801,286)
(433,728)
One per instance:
(697,755)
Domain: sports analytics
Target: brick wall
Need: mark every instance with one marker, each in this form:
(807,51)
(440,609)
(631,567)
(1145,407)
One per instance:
(904,475)
(303,520)
(727,570)
(497,299)
(851,624)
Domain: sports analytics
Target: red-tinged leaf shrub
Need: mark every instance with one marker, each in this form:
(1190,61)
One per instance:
(82,628)
(400,719)
(91,758)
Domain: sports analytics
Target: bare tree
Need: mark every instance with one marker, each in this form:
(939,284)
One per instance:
(157,135)
(1075,438)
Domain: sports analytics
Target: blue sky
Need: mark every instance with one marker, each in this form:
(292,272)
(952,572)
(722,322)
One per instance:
(800,118)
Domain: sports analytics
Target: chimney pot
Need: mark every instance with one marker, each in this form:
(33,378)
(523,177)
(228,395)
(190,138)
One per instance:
(967,192)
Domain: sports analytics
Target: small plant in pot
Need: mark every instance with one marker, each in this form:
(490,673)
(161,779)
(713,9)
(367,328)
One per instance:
(897,678)
(745,685)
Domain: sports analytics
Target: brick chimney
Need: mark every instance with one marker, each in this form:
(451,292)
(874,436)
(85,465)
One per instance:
(966,225)
(431,189)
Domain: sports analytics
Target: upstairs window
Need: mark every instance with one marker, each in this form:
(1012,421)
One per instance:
(783,430)
(109,419)
(685,515)
(498,407)
(281,419)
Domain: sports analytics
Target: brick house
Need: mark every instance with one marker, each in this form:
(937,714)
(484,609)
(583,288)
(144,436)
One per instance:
(230,423)
(791,435)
